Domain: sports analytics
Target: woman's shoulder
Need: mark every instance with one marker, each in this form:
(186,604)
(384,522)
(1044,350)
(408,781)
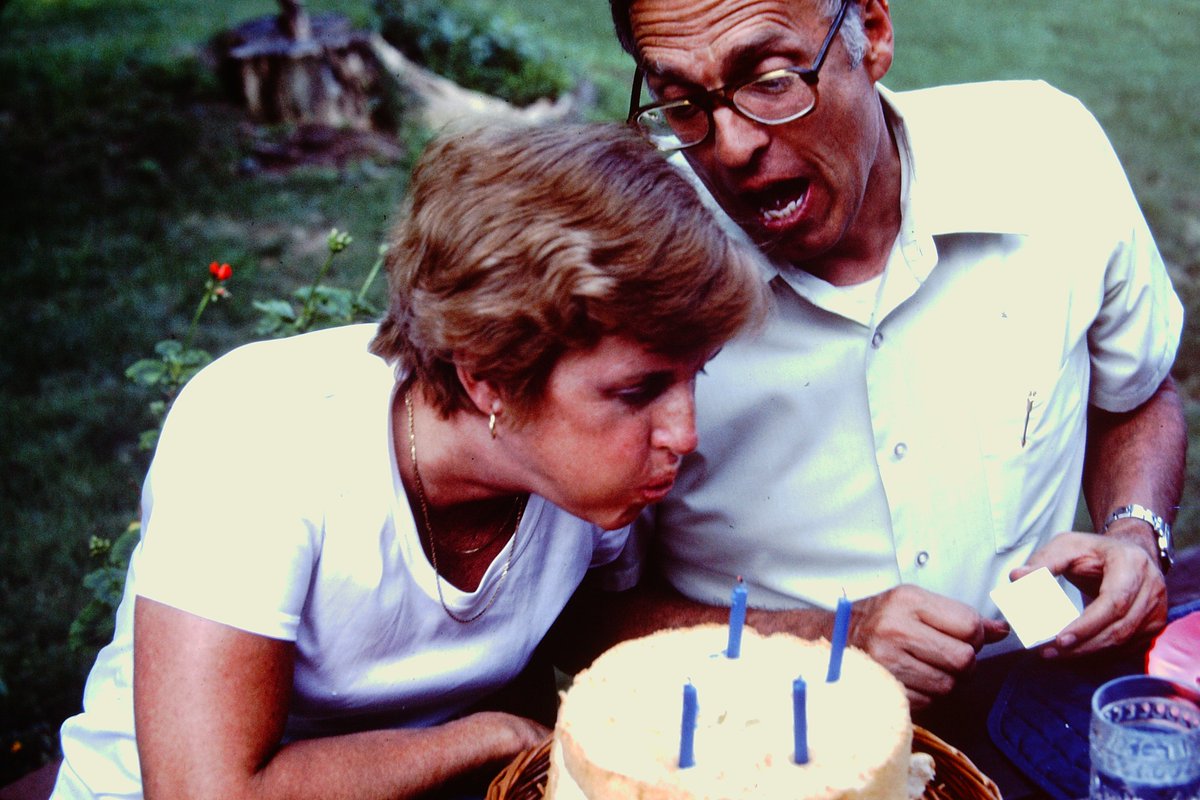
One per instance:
(318,357)
(268,391)
(292,371)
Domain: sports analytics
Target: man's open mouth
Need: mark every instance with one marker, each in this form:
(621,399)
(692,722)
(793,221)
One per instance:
(782,205)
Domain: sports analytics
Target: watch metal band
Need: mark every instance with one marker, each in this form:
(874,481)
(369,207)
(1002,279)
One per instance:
(1162,530)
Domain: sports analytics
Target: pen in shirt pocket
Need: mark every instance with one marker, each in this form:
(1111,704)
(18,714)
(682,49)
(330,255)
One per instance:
(1030,402)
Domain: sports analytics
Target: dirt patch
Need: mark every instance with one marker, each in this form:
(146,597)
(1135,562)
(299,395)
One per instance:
(319,146)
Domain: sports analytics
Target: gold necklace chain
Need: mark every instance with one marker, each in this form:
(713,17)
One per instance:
(472,550)
(437,576)
(496,534)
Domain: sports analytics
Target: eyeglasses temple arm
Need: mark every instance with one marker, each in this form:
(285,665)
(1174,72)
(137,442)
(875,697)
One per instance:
(833,30)
(635,94)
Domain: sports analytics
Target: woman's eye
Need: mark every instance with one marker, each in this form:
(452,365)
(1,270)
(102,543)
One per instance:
(636,398)
(644,393)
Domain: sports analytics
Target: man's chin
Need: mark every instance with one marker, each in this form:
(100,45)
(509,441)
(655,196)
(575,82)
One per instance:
(796,245)
(775,244)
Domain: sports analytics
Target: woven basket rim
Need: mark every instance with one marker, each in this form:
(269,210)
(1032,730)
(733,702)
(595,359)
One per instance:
(956,778)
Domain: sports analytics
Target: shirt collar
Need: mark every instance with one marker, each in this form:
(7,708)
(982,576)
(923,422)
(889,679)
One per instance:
(937,197)
(913,254)
(938,194)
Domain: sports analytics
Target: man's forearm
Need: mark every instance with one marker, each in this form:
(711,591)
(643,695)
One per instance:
(1136,457)
(597,619)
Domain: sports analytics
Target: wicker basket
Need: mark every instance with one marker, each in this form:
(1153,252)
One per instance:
(525,777)
(956,777)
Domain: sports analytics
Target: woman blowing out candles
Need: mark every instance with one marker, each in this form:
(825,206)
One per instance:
(353,538)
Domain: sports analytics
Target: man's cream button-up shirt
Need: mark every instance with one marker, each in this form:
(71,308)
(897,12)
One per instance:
(929,427)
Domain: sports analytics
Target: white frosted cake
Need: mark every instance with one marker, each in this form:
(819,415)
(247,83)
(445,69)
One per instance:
(619,725)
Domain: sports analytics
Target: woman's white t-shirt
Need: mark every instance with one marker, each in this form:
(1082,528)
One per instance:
(274,505)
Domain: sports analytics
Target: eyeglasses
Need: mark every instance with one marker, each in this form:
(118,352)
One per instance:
(772,98)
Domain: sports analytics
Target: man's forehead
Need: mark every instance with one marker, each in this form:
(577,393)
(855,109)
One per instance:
(675,38)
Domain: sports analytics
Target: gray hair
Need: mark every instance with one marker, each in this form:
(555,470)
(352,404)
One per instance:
(854,37)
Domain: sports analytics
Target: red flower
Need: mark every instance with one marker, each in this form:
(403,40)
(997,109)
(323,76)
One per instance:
(222,272)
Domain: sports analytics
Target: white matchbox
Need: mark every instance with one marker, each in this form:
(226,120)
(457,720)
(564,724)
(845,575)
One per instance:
(1035,606)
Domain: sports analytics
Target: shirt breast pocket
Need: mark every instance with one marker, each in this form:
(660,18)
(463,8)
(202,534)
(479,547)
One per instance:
(1031,423)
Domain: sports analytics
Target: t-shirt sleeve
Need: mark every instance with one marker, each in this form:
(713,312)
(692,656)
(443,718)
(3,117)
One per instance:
(225,533)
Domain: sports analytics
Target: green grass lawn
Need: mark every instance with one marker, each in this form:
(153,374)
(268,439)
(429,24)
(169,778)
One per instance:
(119,156)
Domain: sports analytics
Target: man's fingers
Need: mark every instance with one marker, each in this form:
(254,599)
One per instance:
(1117,615)
(917,700)
(1057,555)
(921,679)
(958,623)
(927,641)
(995,630)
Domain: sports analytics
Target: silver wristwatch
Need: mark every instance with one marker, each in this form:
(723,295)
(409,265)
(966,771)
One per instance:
(1162,531)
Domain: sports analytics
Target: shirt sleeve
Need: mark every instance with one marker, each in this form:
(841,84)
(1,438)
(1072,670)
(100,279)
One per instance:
(1134,338)
(225,535)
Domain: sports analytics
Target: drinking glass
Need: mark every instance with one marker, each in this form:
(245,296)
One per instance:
(1145,740)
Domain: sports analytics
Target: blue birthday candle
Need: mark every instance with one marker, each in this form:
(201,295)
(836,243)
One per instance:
(800,720)
(687,728)
(841,629)
(737,619)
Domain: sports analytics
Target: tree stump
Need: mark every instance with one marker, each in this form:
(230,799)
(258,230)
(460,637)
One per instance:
(296,68)
(316,70)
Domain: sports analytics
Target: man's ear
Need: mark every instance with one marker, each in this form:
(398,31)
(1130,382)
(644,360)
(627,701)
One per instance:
(881,45)
(482,393)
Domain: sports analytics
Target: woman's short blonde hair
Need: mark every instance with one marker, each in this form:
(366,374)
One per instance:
(520,244)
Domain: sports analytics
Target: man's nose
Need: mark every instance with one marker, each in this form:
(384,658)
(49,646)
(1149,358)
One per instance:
(736,138)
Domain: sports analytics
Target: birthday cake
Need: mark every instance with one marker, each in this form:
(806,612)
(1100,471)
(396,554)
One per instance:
(625,723)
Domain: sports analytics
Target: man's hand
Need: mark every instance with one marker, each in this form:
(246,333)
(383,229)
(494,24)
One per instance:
(1130,594)
(927,641)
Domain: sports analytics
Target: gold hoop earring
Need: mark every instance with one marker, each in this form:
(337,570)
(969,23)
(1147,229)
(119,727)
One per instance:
(492,424)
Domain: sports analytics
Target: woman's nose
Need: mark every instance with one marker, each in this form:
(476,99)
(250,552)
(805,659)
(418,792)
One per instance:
(675,424)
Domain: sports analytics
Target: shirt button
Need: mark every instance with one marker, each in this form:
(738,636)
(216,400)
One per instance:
(877,340)
(900,450)
(922,558)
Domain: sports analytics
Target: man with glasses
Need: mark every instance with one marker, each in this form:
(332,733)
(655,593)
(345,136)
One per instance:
(972,321)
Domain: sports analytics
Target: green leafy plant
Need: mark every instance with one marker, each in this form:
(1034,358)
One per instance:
(475,50)
(317,305)
(175,363)
(93,628)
